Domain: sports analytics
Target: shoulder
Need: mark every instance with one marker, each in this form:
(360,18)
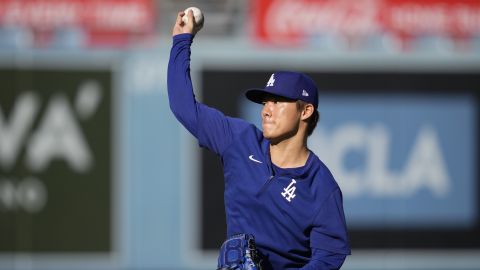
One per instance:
(324,183)
(244,134)
(244,128)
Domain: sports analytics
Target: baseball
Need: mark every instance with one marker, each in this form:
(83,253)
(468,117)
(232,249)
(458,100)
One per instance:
(197,13)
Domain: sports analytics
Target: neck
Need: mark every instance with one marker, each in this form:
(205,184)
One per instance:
(289,153)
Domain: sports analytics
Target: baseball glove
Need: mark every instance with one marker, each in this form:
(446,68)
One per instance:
(239,253)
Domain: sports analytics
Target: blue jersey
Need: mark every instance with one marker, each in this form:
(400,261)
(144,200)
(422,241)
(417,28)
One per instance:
(295,214)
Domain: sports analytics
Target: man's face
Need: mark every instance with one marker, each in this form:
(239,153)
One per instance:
(280,118)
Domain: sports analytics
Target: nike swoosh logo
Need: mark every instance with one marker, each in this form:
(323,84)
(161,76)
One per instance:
(252,159)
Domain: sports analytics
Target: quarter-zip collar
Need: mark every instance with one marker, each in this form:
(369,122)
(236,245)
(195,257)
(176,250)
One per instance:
(298,172)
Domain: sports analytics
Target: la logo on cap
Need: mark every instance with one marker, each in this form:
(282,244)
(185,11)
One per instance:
(305,93)
(271,80)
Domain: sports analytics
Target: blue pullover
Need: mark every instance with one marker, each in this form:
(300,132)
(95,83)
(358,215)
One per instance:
(295,214)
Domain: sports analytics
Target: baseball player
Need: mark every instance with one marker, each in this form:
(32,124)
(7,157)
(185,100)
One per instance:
(283,207)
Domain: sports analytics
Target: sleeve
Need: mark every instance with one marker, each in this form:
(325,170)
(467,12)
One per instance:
(212,128)
(324,260)
(329,232)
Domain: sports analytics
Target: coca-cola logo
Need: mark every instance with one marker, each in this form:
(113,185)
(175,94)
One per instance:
(291,22)
(312,17)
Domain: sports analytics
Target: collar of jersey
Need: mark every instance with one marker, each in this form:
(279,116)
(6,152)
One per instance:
(298,172)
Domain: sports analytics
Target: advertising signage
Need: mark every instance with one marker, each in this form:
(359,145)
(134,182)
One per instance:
(88,22)
(397,22)
(55,160)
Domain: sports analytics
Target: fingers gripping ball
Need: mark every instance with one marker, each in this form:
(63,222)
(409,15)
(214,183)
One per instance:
(197,14)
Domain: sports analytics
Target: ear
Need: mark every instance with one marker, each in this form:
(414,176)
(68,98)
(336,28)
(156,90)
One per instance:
(307,111)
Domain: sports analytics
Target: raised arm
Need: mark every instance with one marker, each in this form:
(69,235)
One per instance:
(211,127)
(180,89)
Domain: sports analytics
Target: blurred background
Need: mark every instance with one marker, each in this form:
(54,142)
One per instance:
(95,172)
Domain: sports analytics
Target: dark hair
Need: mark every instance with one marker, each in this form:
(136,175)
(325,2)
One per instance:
(312,120)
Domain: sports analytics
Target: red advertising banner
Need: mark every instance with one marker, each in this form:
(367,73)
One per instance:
(297,21)
(104,21)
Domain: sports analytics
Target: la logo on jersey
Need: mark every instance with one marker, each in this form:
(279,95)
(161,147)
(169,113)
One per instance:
(289,192)
(271,80)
